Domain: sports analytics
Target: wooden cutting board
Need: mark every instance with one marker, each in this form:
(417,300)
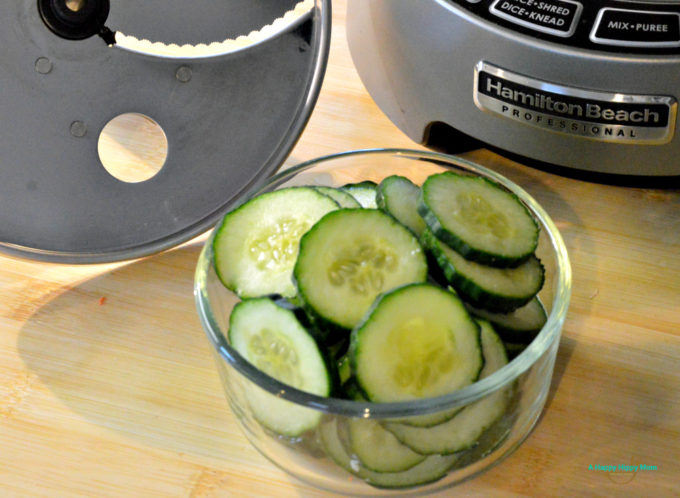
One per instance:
(108,388)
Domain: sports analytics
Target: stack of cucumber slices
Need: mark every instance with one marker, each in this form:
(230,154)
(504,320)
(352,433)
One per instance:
(383,293)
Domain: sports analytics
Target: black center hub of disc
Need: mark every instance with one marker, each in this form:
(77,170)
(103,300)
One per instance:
(74,19)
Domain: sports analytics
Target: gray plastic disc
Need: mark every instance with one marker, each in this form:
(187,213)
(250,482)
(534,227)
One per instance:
(228,128)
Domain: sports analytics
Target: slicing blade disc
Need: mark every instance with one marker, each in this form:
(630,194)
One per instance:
(229,127)
(195,21)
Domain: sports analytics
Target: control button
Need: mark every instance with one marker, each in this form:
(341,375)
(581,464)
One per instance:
(636,28)
(554,17)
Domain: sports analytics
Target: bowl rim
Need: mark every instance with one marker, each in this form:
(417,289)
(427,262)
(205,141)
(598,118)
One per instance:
(548,335)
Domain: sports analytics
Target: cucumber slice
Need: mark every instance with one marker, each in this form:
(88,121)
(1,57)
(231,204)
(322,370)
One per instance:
(320,336)
(429,470)
(338,350)
(488,287)
(418,341)
(349,257)
(398,196)
(257,244)
(351,390)
(377,449)
(462,431)
(272,339)
(363,192)
(429,420)
(514,349)
(343,198)
(344,369)
(519,326)
(478,219)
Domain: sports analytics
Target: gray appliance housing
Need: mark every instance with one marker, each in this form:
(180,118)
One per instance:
(418,60)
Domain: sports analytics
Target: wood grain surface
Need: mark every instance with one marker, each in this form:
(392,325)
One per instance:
(108,388)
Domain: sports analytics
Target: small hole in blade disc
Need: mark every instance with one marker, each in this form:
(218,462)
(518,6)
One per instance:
(75,5)
(132,147)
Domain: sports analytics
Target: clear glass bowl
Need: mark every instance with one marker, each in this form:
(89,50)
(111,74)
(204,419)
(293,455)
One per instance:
(527,376)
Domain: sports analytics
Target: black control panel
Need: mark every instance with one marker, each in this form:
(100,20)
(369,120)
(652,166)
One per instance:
(609,25)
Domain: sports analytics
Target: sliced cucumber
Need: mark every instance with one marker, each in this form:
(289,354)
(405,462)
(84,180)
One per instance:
(351,390)
(417,341)
(398,196)
(519,326)
(286,303)
(429,470)
(463,430)
(479,219)
(349,257)
(363,192)
(338,350)
(377,449)
(342,197)
(429,420)
(344,369)
(495,435)
(257,244)
(487,287)
(272,339)
(514,349)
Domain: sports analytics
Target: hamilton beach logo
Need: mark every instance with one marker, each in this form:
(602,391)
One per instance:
(597,115)
(546,102)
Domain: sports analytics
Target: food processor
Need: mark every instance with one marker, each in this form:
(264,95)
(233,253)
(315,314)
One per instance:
(587,87)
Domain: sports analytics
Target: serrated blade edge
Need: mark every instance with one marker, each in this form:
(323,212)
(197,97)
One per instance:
(216,49)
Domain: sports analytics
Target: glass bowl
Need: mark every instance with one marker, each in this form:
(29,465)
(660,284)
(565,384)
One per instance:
(527,377)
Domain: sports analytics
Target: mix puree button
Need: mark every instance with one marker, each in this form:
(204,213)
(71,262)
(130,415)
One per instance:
(634,28)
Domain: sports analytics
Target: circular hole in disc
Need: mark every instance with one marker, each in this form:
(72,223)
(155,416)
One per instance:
(75,5)
(132,147)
